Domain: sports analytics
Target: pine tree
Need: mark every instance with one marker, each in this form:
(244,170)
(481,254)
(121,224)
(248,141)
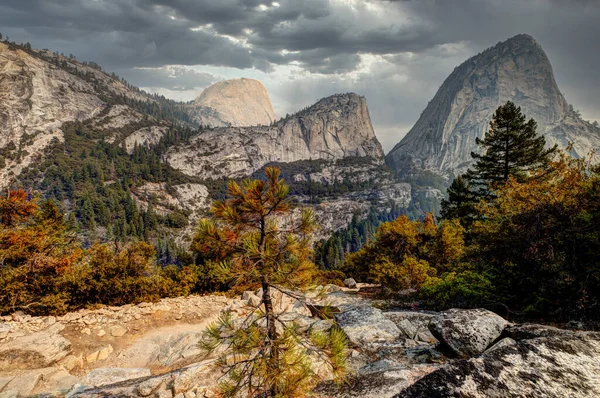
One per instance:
(510,148)
(460,203)
(264,354)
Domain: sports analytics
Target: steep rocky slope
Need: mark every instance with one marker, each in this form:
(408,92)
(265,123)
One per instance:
(335,127)
(35,99)
(236,102)
(56,111)
(517,70)
(40,91)
(151,349)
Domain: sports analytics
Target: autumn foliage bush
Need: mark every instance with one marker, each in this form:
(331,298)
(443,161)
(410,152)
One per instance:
(44,269)
(409,254)
(532,251)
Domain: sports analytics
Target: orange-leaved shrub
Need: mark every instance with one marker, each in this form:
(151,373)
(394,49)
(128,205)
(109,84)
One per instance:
(44,269)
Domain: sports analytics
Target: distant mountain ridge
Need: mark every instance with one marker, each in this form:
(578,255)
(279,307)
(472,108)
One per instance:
(235,102)
(517,70)
(124,162)
(335,127)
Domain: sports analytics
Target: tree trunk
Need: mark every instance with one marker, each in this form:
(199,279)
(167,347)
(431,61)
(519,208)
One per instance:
(271,334)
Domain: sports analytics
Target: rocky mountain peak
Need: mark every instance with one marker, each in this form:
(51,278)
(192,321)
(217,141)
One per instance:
(236,102)
(335,127)
(515,70)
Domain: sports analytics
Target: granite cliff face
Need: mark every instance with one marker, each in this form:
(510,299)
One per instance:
(236,102)
(40,91)
(335,127)
(43,93)
(517,70)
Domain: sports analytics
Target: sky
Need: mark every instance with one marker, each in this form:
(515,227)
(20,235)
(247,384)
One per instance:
(394,52)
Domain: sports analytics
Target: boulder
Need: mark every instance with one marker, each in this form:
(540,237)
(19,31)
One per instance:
(507,341)
(467,332)
(24,383)
(118,330)
(539,367)
(532,330)
(105,376)
(386,383)
(409,330)
(422,354)
(36,350)
(128,383)
(350,283)
(147,387)
(365,324)
(252,299)
(191,376)
(413,324)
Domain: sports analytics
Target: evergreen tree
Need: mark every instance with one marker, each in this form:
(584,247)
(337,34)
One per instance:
(265,355)
(460,203)
(511,148)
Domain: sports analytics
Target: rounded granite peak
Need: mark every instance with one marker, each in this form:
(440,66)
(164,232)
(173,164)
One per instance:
(236,102)
(516,70)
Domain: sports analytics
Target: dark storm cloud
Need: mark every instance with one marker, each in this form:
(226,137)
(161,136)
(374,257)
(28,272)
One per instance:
(237,33)
(412,45)
(175,78)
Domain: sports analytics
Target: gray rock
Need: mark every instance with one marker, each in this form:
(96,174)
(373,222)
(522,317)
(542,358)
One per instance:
(517,70)
(254,300)
(415,325)
(422,354)
(507,341)
(365,324)
(467,332)
(539,367)
(147,387)
(382,365)
(350,283)
(36,350)
(382,384)
(235,102)
(335,127)
(408,328)
(532,330)
(105,376)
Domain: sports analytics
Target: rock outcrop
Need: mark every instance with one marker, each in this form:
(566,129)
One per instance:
(467,332)
(36,350)
(366,325)
(560,366)
(335,127)
(517,70)
(236,102)
(150,350)
(36,97)
(41,90)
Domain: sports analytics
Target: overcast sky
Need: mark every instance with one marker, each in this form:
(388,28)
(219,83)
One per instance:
(396,53)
